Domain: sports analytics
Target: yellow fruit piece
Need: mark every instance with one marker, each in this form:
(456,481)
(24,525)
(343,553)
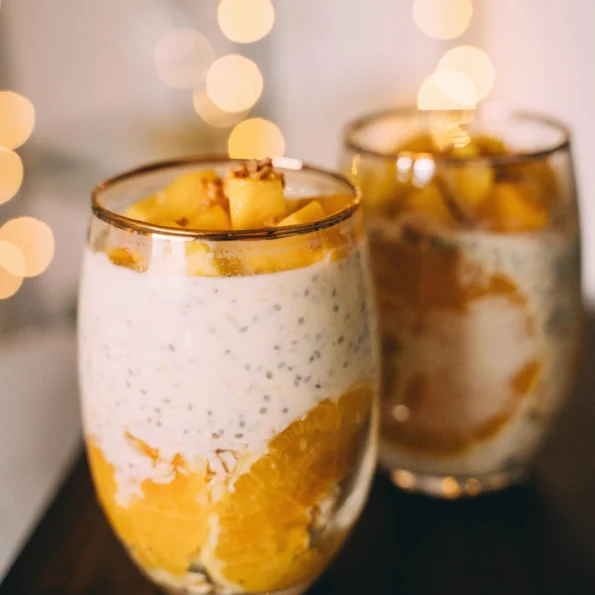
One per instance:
(469,184)
(282,254)
(212,218)
(334,203)
(124,257)
(430,202)
(509,210)
(184,196)
(490,145)
(212,260)
(255,203)
(308,214)
(423,143)
(379,183)
(264,523)
(142,210)
(166,526)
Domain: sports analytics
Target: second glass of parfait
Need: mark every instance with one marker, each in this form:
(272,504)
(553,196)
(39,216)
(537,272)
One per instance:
(474,234)
(229,370)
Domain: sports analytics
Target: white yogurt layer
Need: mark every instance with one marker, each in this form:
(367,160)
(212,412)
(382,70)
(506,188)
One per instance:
(482,348)
(201,366)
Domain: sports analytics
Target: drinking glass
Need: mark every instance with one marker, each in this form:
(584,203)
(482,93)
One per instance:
(474,237)
(229,381)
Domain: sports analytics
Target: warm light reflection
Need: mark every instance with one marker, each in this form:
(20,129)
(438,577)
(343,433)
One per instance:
(442,19)
(256,138)
(403,479)
(12,259)
(474,63)
(451,487)
(9,284)
(473,486)
(234,83)
(447,90)
(182,58)
(11,174)
(213,115)
(17,119)
(401,412)
(34,239)
(246,21)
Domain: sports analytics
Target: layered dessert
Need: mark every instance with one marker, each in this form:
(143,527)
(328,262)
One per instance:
(476,256)
(228,384)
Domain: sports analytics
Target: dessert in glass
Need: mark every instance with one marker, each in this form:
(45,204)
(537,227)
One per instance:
(474,237)
(229,370)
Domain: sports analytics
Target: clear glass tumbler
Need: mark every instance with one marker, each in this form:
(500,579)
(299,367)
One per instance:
(474,236)
(229,382)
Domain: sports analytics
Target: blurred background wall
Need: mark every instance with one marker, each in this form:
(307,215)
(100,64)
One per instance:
(109,84)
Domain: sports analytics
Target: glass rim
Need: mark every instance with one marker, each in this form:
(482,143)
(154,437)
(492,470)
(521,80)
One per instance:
(262,233)
(489,111)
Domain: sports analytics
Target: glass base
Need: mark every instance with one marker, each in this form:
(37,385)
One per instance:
(459,486)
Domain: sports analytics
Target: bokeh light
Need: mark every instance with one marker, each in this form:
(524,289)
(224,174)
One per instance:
(213,115)
(451,487)
(9,284)
(12,259)
(182,58)
(246,21)
(234,83)
(34,239)
(17,119)
(256,138)
(11,174)
(474,63)
(447,90)
(442,19)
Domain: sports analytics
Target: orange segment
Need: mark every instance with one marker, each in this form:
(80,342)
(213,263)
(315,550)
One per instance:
(265,521)
(167,525)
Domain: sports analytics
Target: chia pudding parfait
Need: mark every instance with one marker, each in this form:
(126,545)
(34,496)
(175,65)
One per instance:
(474,237)
(229,370)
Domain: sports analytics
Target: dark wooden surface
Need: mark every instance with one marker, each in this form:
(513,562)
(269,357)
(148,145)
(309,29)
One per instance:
(537,539)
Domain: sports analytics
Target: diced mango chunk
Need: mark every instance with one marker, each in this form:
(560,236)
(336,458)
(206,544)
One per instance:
(200,260)
(510,210)
(255,203)
(212,218)
(429,201)
(312,212)
(142,210)
(130,259)
(184,196)
(469,184)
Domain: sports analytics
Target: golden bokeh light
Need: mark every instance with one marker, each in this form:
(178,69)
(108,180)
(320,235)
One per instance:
(34,239)
(9,284)
(256,138)
(403,479)
(246,21)
(234,83)
(451,487)
(12,259)
(442,19)
(474,63)
(11,174)
(213,115)
(447,90)
(182,58)
(17,119)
